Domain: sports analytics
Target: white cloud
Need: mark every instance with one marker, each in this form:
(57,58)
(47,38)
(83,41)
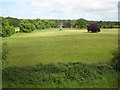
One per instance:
(22,4)
(15,0)
(41,4)
(88,9)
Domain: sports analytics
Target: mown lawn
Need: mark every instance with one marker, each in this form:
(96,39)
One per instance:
(69,45)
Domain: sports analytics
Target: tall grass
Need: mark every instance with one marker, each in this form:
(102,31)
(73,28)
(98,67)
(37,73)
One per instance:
(61,75)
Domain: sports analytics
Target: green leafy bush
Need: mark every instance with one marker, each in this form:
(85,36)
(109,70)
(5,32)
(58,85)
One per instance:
(116,59)
(53,74)
(5,51)
(26,26)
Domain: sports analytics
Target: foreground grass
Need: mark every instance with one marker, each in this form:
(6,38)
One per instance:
(69,45)
(61,75)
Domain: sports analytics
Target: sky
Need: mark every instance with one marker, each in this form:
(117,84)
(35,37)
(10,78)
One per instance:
(105,10)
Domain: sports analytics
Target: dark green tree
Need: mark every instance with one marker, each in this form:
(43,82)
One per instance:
(7,30)
(46,24)
(81,23)
(39,24)
(13,21)
(26,26)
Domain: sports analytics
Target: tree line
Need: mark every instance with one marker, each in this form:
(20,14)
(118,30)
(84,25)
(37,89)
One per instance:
(8,24)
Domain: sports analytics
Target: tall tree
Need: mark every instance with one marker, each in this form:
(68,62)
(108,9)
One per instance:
(81,23)
(26,26)
(13,21)
(7,30)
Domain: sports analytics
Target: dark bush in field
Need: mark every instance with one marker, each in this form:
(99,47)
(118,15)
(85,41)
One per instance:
(93,27)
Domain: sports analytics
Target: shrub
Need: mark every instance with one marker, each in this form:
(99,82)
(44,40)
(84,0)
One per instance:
(54,73)
(116,60)
(93,27)
(5,51)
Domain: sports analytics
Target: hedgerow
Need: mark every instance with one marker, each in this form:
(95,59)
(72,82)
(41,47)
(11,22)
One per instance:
(54,73)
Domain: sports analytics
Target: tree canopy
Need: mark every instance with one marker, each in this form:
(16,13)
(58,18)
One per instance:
(7,30)
(9,24)
(81,23)
(26,26)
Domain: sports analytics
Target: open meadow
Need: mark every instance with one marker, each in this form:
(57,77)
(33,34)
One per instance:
(69,45)
(59,44)
(72,58)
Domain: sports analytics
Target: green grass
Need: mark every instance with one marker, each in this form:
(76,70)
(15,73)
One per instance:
(61,75)
(69,45)
(61,59)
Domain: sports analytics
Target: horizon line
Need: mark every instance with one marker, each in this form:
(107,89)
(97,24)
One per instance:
(58,19)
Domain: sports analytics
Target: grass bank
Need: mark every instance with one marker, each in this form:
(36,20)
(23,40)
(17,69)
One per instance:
(61,75)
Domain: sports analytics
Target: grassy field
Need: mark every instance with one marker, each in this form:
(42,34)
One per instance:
(69,45)
(72,58)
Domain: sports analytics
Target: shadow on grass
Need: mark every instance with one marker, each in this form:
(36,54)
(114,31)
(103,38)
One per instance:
(0,35)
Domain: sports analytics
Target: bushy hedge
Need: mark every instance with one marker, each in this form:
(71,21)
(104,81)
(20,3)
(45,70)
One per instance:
(57,73)
(116,59)
(5,51)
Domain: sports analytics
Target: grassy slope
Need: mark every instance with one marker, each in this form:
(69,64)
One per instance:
(47,46)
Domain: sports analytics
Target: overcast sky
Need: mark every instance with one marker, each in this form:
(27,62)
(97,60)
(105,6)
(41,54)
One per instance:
(61,9)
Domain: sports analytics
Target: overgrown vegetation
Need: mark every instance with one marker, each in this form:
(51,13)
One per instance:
(5,51)
(116,59)
(60,75)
